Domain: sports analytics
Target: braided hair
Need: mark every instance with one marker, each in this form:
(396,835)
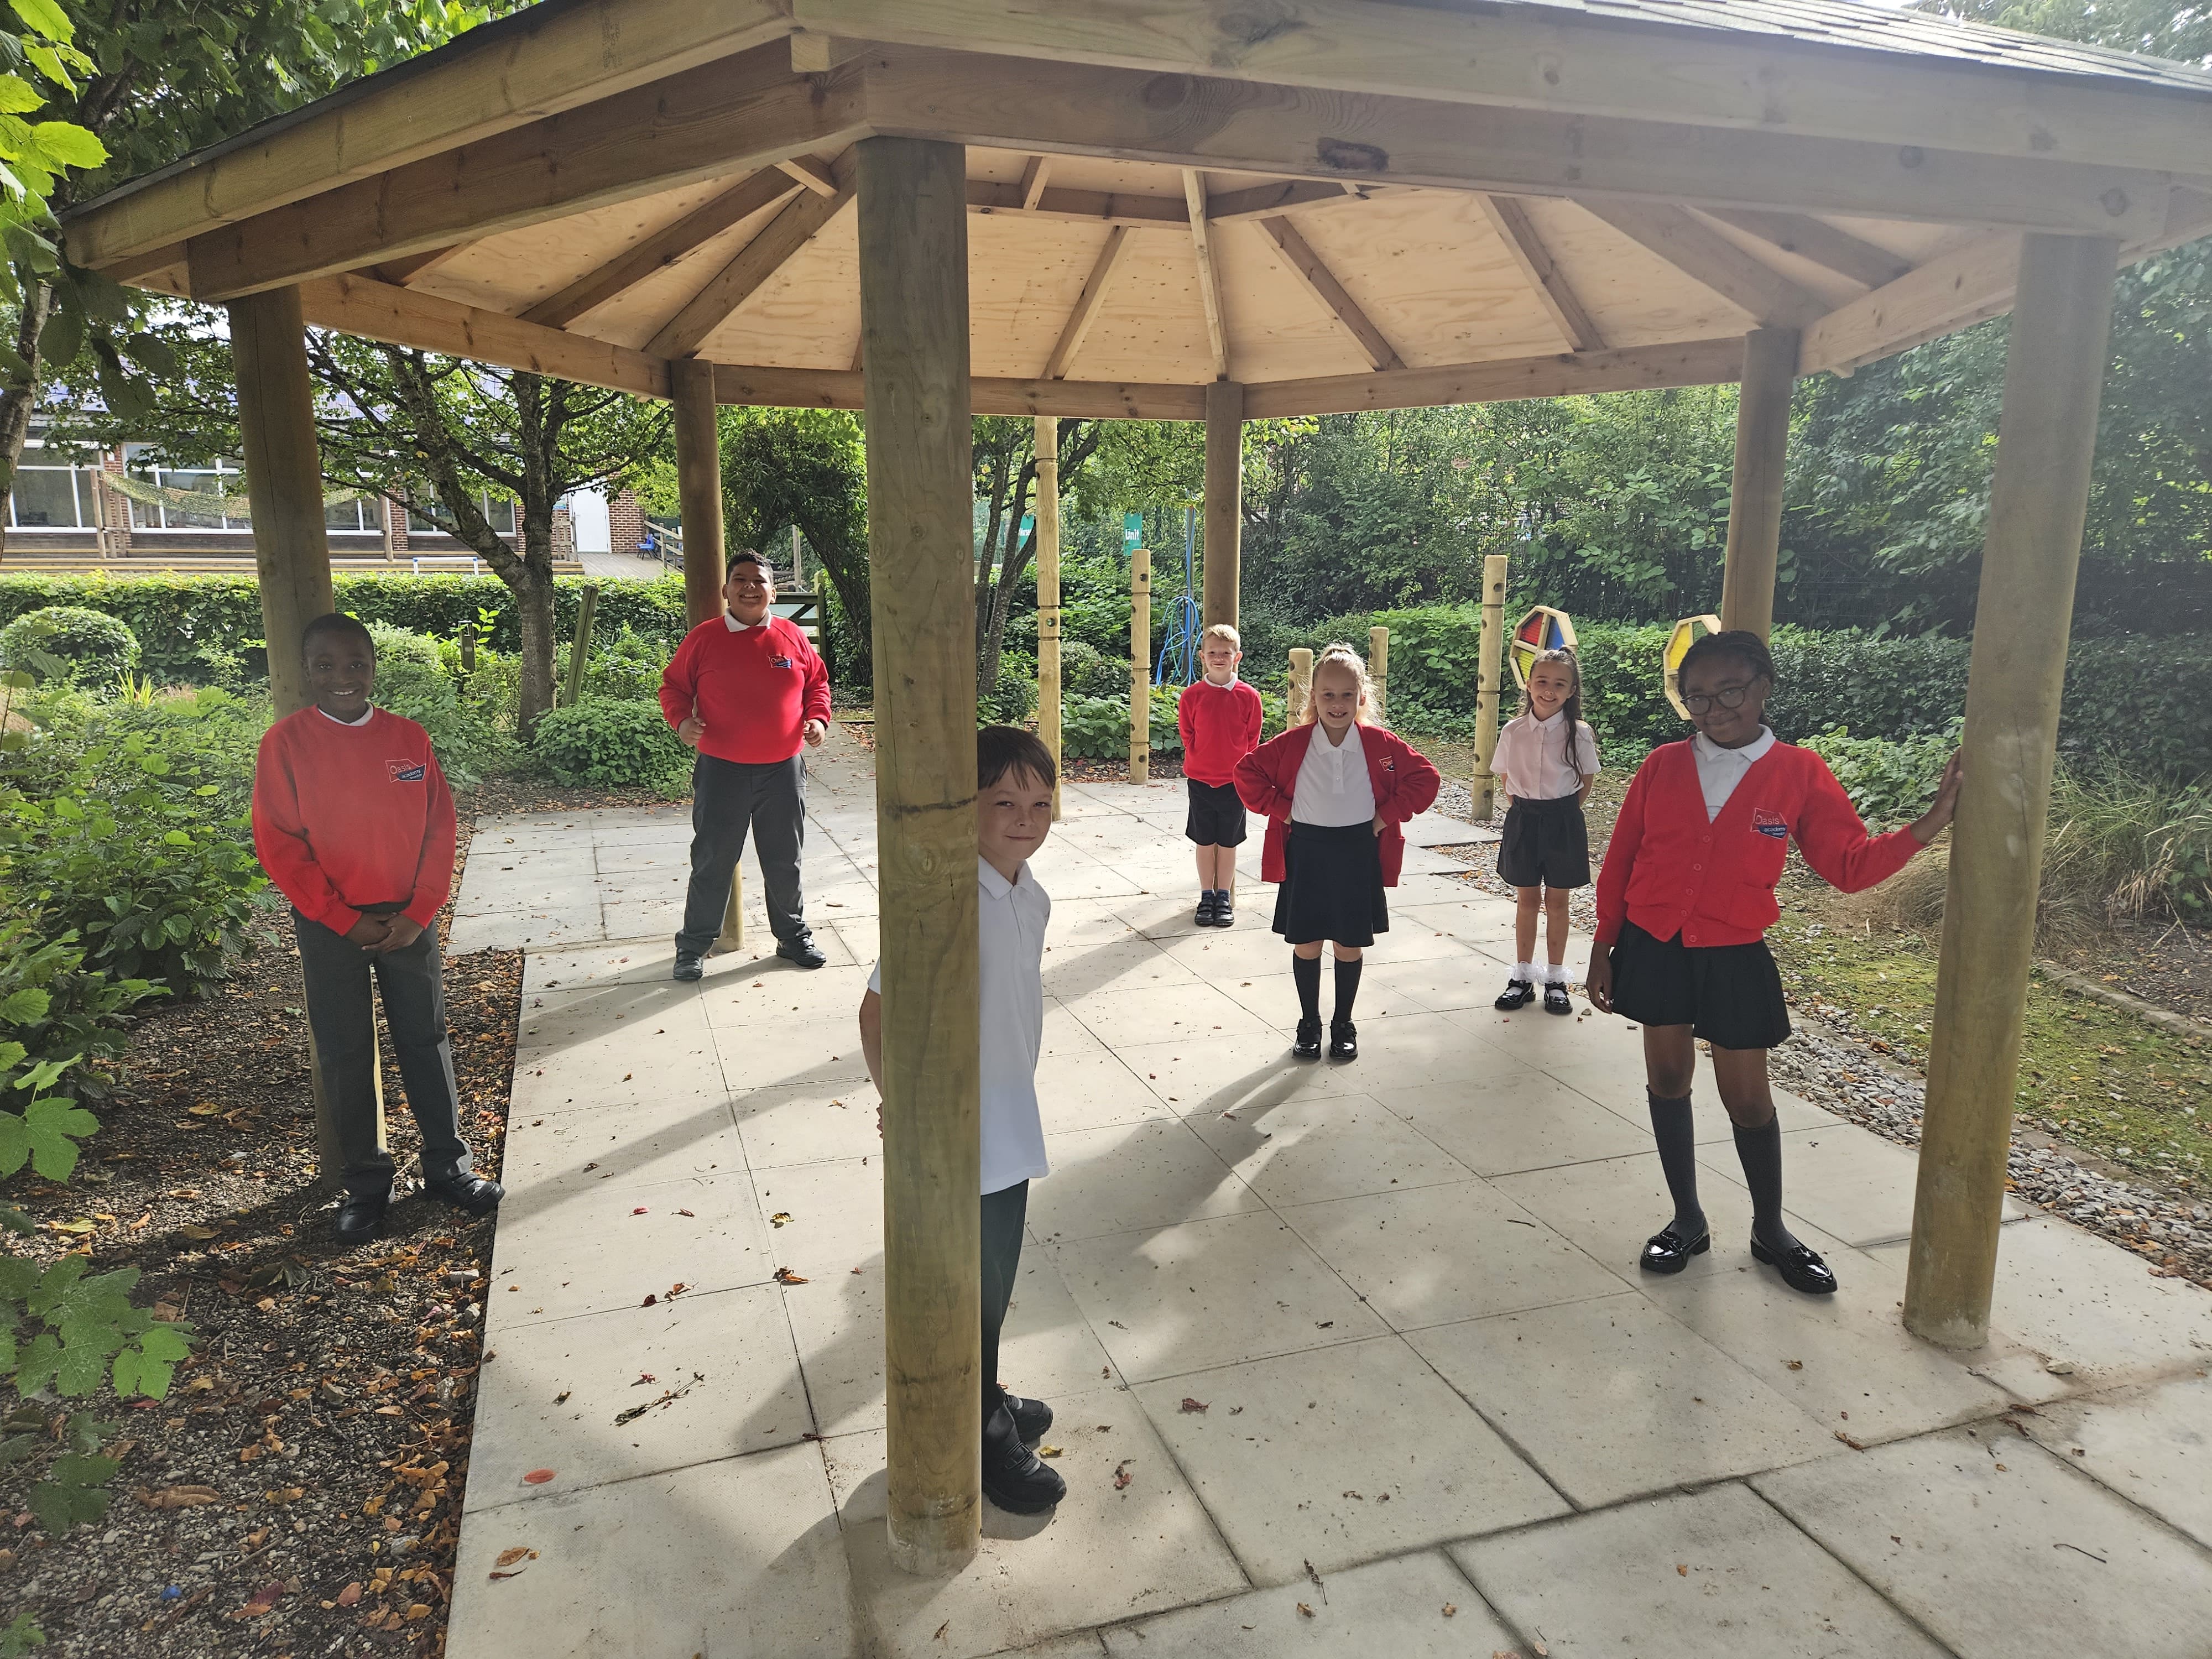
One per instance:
(1573,705)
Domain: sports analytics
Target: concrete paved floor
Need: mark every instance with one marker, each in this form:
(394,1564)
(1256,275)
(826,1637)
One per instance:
(1369,1341)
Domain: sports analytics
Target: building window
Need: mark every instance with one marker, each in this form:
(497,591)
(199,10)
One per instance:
(49,497)
(498,512)
(215,484)
(348,517)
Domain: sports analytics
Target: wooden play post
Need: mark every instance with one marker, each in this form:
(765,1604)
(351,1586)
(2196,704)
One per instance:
(580,650)
(698,486)
(1488,688)
(1224,501)
(2046,437)
(1378,672)
(1294,705)
(291,553)
(1048,581)
(1762,449)
(913,308)
(1141,665)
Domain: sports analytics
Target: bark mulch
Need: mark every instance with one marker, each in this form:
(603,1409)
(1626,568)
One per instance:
(299,1489)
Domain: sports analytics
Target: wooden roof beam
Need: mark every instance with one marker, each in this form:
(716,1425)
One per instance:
(1209,279)
(1860,261)
(492,79)
(379,311)
(816,174)
(703,124)
(1309,269)
(1035,173)
(749,270)
(1709,259)
(1222,125)
(1563,62)
(830,388)
(401,272)
(1511,222)
(1087,305)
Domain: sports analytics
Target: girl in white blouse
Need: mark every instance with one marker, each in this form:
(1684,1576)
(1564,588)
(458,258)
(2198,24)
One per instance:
(1546,757)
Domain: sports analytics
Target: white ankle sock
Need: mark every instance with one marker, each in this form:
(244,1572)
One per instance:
(1556,974)
(1525,972)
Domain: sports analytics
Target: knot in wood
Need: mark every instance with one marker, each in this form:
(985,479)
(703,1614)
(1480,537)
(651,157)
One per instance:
(2115,200)
(1167,92)
(1348,155)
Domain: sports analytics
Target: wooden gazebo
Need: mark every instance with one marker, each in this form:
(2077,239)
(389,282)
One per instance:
(1216,209)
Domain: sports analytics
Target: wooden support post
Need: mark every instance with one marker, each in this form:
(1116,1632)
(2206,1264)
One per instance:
(1048,581)
(1294,703)
(1762,446)
(1140,665)
(468,647)
(2046,437)
(914,310)
(580,650)
(798,569)
(291,549)
(1224,500)
(698,486)
(1490,666)
(1378,672)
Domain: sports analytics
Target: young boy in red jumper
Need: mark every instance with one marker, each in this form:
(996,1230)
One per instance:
(1219,717)
(353,823)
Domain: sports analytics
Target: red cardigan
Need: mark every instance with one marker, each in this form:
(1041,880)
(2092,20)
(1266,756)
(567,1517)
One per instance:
(1669,871)
(1403,780)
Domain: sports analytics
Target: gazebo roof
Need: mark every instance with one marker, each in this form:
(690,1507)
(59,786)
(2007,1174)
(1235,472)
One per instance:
(1338,203)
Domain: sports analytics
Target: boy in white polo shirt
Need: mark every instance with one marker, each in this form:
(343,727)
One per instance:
(1014,777)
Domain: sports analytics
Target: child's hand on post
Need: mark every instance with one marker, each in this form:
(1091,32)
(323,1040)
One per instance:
(1945,806)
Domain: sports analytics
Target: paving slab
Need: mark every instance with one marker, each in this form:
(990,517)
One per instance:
(1274,997)
(686,1135)
(1413,1606)
(705,1234)
(1311,1147)
(1107,1553)
(1130,1176)
(1847,1181)
(1193,1012)
(1230,1074)
(1611,1398)
(1994,1545)
(742,1556)
(1620,1090)
(1315,1461)
(1516,1119)
(1709,1575)
(2152,1445)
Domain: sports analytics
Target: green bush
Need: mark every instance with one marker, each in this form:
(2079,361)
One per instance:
(606,743)
(412,681)
(1098,728)
(1015,698)
(1890,783)
(626,668)
(53,1010)
(91,647)
(2128,844)
(398,645)
(1086,672)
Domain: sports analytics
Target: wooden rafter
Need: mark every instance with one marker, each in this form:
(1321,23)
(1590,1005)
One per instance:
(817,175)
(829,388)
(763,189)
(379,311)
(1087,304)
(1862,261)
(1265,201)
(1709,259)
(815,53)
(1309,269)
(803,218)
(1034,172)
(1209,279)
(699,125)
(401,272)
(1514,229)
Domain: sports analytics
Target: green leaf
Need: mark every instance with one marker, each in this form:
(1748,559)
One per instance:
(18,96)
(45,1136)
(63,337)
(25,1005)
(151,353)
(147,1368)
(69,145)
(44,17)
(50,64)
(21,1637)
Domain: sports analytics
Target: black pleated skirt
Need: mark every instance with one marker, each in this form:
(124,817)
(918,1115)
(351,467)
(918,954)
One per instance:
(1331,886)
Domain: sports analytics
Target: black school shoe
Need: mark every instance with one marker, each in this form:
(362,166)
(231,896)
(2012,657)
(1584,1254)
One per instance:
(1031,1416)
(1308,1046)
(1668,1252)
(1519,993)
(1206,912)
(1556,999)
(1801,1268)
(471,1192)
(1224,909)
(688,966)
(803,950)
(1013,1476)
(1343,1040)
(361,1217)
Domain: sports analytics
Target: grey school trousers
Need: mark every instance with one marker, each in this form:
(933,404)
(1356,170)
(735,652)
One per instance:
(1004,1213)
(342,1011)
(729,798)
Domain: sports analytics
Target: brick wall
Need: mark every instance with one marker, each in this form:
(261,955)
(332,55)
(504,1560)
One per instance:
(625,523)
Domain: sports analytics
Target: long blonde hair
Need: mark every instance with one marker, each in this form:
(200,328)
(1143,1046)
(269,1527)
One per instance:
(1337,654)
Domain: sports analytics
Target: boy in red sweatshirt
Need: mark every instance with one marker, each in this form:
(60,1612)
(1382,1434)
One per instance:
(1219,717)
(353,823)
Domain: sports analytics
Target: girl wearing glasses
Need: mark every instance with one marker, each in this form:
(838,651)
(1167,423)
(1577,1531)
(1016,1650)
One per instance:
(1548,757)
(1683,902)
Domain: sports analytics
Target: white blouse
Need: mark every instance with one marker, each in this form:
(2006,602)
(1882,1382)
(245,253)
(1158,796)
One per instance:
(1531,754)
(1719,770)
(1333,788)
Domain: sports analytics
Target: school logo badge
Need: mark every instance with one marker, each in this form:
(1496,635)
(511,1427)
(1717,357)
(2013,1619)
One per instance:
(405,771)
(1772,826)
(779,662)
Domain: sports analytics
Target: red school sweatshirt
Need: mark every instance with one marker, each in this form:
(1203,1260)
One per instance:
(349,816)
(755,688)
(1220,725)
(1669,871)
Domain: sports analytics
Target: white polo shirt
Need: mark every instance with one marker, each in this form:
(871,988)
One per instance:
(1334,789)
(1532,755)
(1011,917)
(1719,770)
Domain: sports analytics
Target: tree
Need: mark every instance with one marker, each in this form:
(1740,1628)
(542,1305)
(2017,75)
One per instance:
(1006,474)
(141,83)
(806,467)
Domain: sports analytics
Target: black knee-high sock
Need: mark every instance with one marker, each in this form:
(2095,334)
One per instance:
(1760,1150)
(1673,1127)
(1305,973)
(1347,988)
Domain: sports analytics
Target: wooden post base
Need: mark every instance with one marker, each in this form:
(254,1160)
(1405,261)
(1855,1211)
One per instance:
(734,917)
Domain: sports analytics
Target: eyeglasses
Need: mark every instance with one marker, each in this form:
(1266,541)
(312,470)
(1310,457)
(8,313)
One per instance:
(1729,696)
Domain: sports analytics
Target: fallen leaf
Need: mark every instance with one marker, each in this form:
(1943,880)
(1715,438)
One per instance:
(495,1576)
(1682,1569)
(350,1595)
(538,1477)
(779,1218)
(1856,1445)
(264,1599)
(179,1497)
(1451,1609)
(649,1301)
(639,1211)
(196,1232)
(1796,1364)
(1304,1612)
(643,1378)
(947,1625)
(508,1557)
(686,1212)
(205,1108)
(1190,1405)
(785,1276)
(1048,1451)
(1121,1475)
